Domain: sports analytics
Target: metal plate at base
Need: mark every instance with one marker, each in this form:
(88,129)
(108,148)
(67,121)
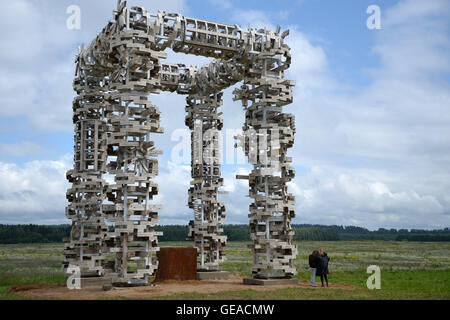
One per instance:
(95,281)
(270,282)
(213,275)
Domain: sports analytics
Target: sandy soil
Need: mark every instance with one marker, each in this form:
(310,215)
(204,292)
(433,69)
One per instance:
(165,288)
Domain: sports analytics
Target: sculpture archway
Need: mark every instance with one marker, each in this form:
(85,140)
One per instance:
(114,120)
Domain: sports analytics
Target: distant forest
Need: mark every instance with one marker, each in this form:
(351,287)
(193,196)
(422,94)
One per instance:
(30,233)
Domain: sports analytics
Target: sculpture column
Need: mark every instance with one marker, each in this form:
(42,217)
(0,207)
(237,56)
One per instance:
(84,247)
(209,213)
(268,133)
(132,157)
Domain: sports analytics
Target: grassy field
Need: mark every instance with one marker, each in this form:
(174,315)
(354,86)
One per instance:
(409,270)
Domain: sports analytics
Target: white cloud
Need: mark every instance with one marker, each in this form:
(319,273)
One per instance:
(328,195)
(35,192)
(173,181)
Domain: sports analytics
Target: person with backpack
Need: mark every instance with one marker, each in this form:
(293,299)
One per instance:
(313,264)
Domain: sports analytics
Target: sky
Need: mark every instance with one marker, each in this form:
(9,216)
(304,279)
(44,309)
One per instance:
(372,110)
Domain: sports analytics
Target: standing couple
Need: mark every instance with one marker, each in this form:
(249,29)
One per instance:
(318,261)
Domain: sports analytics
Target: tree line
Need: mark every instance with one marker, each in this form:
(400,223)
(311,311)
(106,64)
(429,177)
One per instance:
(30,233)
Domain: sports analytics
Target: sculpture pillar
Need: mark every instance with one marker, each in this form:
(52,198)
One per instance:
(209,213)
(268,133)
(132,157)
(84,247)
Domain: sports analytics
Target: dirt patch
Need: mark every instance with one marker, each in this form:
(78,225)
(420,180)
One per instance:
(35,286)
(165,288)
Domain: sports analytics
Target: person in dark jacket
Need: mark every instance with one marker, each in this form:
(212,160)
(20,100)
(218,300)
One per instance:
(313,263)
(322,266)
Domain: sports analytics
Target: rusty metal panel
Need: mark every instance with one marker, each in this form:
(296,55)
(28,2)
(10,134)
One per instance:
(177,264)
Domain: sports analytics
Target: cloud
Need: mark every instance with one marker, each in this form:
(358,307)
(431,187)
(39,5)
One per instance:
(328,195)
(35,192)
(173,181)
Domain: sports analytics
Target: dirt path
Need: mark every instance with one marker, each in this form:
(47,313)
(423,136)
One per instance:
(234,283)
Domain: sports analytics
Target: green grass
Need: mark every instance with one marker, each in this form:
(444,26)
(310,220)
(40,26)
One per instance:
(30,263)
(405,284)
(409,270)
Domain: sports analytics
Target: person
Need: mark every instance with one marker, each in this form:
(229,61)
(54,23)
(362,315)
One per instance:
(313,262)
(322,266)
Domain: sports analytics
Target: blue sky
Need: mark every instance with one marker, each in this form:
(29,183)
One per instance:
(372,109)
